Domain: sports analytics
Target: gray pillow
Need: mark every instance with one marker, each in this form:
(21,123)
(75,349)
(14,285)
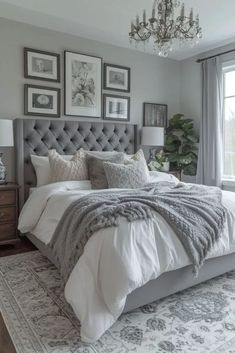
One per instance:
(126,176)
(96,169)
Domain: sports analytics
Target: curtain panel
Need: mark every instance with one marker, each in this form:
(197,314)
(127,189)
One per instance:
(210,161)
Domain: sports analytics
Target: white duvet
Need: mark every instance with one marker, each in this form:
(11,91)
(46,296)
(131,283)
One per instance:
(116,260)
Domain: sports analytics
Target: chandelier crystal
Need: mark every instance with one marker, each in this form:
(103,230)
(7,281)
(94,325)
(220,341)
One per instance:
(167,25)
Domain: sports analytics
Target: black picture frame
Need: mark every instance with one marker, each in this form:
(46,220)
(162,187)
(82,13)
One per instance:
(155,114)
(119,68)
(45,113)
(45,55)
(66,95)
(108,117)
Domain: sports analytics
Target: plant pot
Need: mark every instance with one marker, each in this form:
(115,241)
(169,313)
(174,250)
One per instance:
(165,167)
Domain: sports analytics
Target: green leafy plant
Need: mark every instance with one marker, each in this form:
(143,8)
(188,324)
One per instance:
(158,162)
(181,145)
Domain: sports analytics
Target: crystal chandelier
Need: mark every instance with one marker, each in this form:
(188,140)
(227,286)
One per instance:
(167,25)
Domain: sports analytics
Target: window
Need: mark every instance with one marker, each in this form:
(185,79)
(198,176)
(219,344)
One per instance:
(229,121)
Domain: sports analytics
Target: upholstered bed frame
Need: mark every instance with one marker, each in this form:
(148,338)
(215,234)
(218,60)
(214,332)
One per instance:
(66,136)
(39,136)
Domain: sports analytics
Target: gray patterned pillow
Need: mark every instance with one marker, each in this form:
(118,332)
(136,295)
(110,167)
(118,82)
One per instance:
(96,169)
(126,176)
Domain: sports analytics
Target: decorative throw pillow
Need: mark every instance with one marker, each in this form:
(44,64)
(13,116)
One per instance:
(126,176)
(138,157)
(42,168)
(96,169)
(62,170)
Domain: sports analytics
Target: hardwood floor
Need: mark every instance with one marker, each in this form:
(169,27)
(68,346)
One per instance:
(6,345)
(24,246)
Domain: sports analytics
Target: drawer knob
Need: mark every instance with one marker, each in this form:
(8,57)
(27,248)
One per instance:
(2,214)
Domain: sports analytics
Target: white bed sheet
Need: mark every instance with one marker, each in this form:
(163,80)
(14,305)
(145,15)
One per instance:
(116,260)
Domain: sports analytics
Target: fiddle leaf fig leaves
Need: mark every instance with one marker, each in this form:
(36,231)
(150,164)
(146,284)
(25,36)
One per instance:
(181,144)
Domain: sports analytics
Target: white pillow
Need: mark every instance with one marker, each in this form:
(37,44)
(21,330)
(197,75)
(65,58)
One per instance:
(42,168)
(160,176)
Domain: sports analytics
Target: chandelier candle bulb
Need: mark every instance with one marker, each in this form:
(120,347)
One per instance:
(137,21)
(144,16)
(153,12)
(191,16)
(182,12)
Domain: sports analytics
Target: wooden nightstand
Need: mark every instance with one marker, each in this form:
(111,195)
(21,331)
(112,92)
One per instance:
(8,213)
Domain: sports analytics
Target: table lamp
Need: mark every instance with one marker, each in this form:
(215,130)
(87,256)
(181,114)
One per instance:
(152,136)
(6,140)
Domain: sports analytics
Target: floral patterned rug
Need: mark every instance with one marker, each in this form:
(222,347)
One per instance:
(198,320)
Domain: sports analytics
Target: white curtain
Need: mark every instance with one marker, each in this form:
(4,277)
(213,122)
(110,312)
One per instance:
(210,162)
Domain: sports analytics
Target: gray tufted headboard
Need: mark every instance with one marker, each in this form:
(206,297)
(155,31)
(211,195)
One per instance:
(66,136)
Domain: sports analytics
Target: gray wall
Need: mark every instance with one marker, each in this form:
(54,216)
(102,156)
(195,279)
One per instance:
(190,99)
(153,79)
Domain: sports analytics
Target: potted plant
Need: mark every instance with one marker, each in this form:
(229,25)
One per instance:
(181,145)
(160,162)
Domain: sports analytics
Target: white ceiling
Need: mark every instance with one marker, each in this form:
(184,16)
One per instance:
(108,20)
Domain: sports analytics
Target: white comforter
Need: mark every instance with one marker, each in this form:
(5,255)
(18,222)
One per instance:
(115,260)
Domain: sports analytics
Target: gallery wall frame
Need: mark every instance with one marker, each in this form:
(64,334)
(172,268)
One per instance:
(117,78)
(42,101)
(155,114)
(116,108)
(82,85)
(41,65)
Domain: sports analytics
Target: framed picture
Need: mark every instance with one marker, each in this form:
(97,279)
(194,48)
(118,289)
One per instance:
(41,65)
(83,85)
(117,78)
(41,101)
(155,114)
(116,108)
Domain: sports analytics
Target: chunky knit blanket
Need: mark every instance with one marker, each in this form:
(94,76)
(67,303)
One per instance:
(195,213)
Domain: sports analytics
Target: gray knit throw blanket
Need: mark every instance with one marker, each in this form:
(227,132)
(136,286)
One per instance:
(195,213)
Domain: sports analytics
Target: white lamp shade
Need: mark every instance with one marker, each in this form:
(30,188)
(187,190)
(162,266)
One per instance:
(152,136)
(6,133)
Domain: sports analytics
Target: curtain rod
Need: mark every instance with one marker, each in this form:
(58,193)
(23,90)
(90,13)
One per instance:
(214,56)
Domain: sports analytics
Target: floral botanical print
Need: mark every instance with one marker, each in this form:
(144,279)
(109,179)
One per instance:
(83,83)
(198,320)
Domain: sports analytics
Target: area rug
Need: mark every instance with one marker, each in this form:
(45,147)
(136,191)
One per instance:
(197,320)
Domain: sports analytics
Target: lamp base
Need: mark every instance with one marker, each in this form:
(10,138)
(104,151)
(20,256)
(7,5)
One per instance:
(2,171)
(152,152)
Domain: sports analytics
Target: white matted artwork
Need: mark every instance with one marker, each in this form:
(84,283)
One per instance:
(83,85)
(116,108)
(117,78)
(41,65)
(42,101)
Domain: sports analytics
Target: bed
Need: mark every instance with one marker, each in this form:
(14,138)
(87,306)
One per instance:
(39,136)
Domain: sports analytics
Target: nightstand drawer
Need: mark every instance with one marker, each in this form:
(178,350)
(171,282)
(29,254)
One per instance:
(7,232)
(7,214)
(7,197)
